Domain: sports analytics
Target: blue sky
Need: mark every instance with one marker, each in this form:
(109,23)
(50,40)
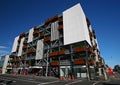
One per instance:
(17,16)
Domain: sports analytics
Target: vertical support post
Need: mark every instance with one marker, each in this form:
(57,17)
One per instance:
(87,64)
(72,70)
(47,63)
(46,68)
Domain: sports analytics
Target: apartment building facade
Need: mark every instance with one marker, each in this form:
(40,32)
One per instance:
(64,45)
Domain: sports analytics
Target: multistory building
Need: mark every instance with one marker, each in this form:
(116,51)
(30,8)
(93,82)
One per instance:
(64,45)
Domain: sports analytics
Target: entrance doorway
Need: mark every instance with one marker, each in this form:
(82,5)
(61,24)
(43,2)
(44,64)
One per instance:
(65,72)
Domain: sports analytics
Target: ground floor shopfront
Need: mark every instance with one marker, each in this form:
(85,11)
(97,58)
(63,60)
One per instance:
(62,72)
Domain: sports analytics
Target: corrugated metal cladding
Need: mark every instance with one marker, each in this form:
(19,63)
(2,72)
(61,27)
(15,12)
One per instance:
(75,26)
(54,31)
(39,50)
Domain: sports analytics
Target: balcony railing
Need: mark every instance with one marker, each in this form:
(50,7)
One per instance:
(31,51)
(23,58)
(22,35)
(35,32)
(82,49)
(53,54)
(48,21)
(12,56)
(60,21)
(91,62)
(60,27)
(42,35)
(14,60)
(55,63)
(61,52)
(57,53)
(54,18)
(9,66)
(25,42)
(24,47)
(47,39)
(80,62)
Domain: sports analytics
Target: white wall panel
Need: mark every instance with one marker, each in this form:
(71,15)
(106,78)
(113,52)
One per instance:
(21,46)
(54,31)
(30,36)
(5,64)
(15,44)
(39,51)
(75,26)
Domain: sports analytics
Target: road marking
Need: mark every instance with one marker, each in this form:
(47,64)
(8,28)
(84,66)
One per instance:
(73,82)
(95,83)
(48,82)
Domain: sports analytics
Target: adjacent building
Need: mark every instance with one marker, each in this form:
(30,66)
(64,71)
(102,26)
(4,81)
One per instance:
(63,46)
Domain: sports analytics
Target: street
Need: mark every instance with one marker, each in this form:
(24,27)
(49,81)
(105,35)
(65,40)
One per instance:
(34,80)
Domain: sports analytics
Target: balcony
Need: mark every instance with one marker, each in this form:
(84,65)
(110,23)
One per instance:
(60,21)
(60,27)
(88,22)
(95,47)
(82,49)
(12,56)
(24,47)
(57,53)
(91,35)
(47,39)
(31,51)
(55,63)
(23,59)
(54,18)
(14,60)
(53,54)
(35,28)
(25,42)
(61,52)
(91,62)
(9,66)
(93,54)
(35,32)
(22,35)
(42,35)
(48,21)
(79,62)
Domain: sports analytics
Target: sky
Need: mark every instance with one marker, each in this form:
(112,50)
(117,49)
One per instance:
(18,16)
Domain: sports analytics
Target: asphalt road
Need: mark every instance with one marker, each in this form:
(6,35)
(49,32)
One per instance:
(30,80)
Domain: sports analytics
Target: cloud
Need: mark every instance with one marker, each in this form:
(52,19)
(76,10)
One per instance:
(3,47)
(4,52)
